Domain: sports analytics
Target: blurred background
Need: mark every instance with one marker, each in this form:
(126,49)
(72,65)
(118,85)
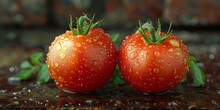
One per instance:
(31,25)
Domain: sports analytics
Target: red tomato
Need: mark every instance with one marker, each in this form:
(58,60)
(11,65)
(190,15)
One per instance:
(82,63)
(153,68)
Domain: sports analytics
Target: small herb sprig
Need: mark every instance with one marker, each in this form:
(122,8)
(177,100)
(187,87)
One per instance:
(197,74)
(30,67)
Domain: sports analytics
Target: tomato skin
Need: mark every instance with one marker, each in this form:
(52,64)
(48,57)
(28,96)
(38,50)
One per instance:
(82,63)
(153,68)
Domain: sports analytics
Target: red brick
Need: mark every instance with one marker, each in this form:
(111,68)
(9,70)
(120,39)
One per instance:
(20,12)
(127,13)
(63,9)
(192,12)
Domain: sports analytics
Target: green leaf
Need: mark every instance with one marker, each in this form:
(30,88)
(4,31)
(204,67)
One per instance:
(23,74)
(43,75)
(25,65)
(114,37)
(184,79)
(198,74)
(158,29)
(117,78)
(35,58)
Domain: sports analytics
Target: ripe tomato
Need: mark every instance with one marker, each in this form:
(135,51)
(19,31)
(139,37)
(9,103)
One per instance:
(153,65)
(82,62)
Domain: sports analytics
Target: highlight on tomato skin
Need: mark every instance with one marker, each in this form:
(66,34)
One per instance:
(82,59)
(151,61)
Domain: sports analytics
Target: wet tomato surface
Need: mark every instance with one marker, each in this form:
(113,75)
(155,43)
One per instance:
(82,63)
(29,95)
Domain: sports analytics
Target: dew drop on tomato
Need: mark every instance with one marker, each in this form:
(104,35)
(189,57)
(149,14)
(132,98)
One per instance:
(88,40)
(100,52)
(66,39)
(100,43)
(61,79)
(137,63)
(156,70)
(64,47)
(129,48)
(133,55)
(170,50)
(56,65)
(78,44)
(94,62)
(62,55)
(156,53)
(74,49)
(161,79)
(59,46)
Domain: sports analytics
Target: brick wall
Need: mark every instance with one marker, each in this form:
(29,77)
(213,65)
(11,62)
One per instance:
(116,13)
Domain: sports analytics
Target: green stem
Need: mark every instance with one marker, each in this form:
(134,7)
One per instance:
(84,24)
(155,38)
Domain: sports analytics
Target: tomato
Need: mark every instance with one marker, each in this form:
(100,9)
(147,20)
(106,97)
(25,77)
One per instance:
(153,62)
(82,62)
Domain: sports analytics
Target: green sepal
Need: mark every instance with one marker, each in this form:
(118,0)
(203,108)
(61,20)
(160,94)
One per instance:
(84,24)
(154,38)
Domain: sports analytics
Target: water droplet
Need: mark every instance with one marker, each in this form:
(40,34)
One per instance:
(74,49)
(133,43)
(174,43)
(156,70)
(161,61)
(100,43)
(59,47)
(100,52)
(170,50)
(130,70)
(176,76)
(62,55)
(94,62)
(89,102)
(178,53)
(78,44)
(61,79)
(161,79)
(211,56)
(129,48)
(65,47)
(66,39)
(137,63)
(88,40)
(95,39)
(149,69)
(174,71)
(157,53)
(84,47)
(56,64)
(133,55)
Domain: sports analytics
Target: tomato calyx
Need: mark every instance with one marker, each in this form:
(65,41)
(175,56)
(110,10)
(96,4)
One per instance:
(155,36)
(83,25)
